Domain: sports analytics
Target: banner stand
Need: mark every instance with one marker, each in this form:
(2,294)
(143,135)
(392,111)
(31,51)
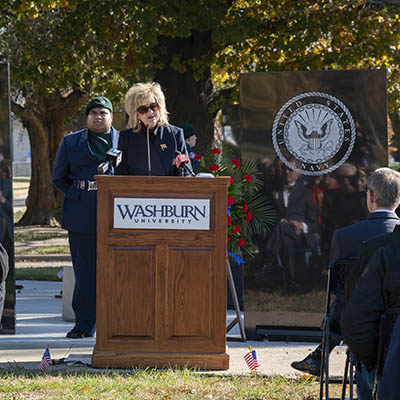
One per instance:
(238,319)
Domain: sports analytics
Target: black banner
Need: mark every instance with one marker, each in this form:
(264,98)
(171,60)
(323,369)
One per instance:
(316,135)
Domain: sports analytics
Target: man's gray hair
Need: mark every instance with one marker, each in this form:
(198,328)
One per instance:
(385,185)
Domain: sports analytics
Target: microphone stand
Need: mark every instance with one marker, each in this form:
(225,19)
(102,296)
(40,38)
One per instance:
(148,151)
(187,168)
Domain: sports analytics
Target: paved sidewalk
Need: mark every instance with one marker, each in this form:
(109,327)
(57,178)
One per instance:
(39,323)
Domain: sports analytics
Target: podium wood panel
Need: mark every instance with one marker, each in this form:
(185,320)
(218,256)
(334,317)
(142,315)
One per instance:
(161,293)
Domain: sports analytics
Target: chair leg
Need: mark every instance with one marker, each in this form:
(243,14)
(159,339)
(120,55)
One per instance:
(327,368)
(375,386)
(323,358)
(351,383)
(322,371)
(345,374)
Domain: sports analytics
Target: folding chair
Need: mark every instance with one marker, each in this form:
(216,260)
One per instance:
(337,275)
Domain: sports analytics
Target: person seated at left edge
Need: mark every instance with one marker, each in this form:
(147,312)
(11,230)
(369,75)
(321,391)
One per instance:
(150,144)
(76,163)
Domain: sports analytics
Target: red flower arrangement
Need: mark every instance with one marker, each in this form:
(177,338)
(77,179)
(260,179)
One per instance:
(247,177)
(197,157)
(213,167)
(248,211)
(240,242)
(236,163)
(236,229)
(248,217)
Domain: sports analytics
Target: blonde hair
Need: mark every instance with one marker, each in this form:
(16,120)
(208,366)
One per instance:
(142,94)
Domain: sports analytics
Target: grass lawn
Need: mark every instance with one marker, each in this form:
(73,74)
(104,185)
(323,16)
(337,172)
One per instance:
(21,236)
(44,250)
(37,274)
(154,384)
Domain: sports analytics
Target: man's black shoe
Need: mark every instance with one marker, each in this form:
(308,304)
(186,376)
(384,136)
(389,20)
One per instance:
(311,364)
(77,334)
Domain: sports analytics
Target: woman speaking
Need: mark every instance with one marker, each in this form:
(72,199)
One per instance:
(150,145)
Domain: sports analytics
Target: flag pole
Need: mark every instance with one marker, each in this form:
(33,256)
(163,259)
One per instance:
(255,369)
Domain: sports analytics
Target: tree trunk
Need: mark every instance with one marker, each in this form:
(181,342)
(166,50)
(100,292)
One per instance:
(44,118)
(188,99)
(395,120)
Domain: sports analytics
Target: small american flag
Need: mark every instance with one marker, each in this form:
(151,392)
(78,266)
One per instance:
(251,360)
(46,360)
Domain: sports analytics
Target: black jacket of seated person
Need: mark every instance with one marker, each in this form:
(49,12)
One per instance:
(377,292)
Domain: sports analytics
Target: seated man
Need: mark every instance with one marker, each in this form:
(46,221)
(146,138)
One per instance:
(383,197)
(297,219)
(377,292)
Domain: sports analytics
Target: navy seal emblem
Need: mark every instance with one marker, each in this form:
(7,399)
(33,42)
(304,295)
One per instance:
(317,130)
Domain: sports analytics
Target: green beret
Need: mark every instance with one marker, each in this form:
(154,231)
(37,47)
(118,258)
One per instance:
(188,130)
(100,102)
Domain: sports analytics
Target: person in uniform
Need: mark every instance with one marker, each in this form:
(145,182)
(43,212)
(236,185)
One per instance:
(189,132)
(76,163)
(150,144)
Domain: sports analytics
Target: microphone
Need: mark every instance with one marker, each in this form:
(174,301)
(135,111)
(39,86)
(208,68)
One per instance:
(113,159)
(182,163)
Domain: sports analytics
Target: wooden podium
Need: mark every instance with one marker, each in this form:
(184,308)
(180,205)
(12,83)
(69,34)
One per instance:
(161,272)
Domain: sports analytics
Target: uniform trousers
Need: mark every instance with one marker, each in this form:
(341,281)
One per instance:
(83,253)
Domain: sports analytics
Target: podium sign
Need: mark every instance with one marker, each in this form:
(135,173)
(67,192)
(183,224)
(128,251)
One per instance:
(161,285)
(145,213)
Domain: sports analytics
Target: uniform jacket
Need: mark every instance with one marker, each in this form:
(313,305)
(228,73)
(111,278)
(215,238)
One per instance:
(376,292)
(169,139)
(75,161)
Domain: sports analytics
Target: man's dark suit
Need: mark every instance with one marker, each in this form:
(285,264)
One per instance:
(376,293)
(300,207)
(74,166)
(346,244)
